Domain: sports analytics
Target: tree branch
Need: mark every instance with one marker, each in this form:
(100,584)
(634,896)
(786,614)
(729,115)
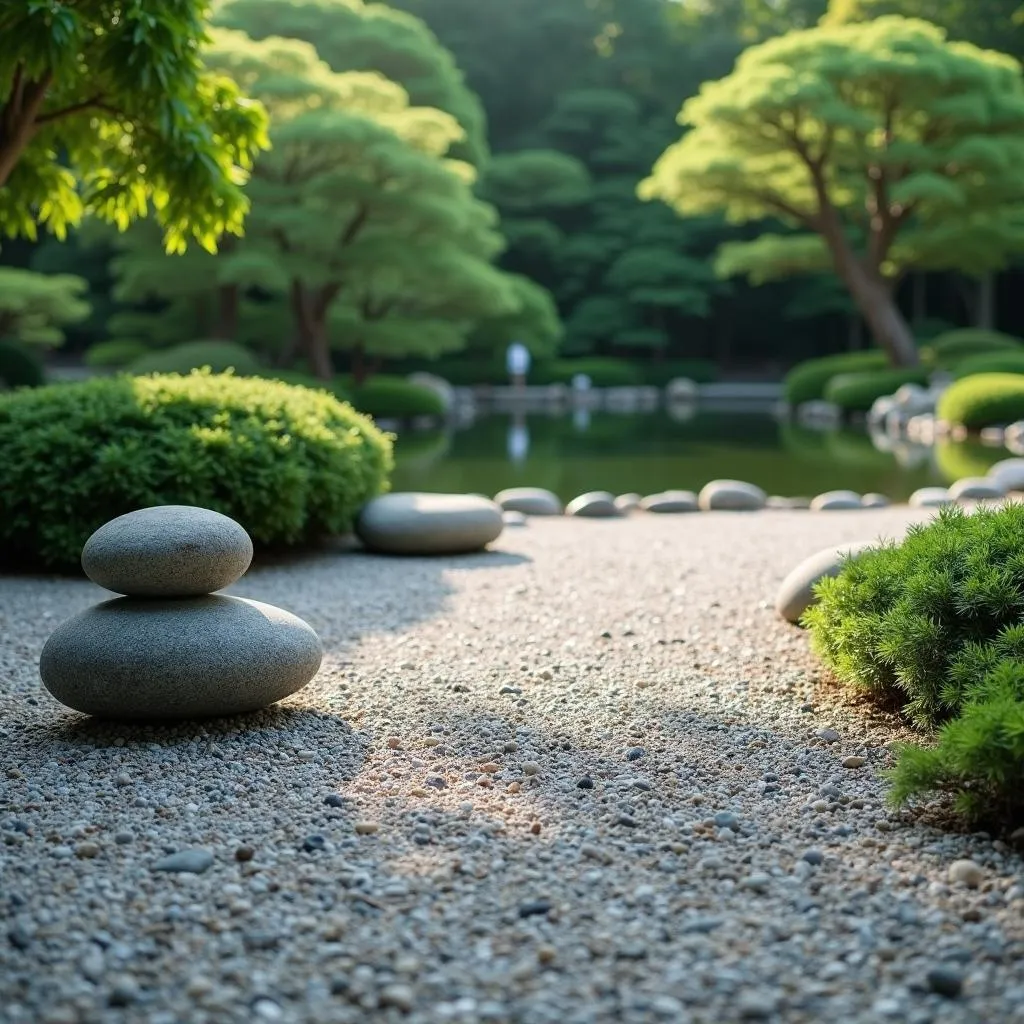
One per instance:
(74,108)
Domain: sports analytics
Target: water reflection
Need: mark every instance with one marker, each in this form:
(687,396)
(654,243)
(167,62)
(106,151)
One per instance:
(684,446)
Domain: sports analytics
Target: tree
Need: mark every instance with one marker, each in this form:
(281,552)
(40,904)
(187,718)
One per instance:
(883,139)
(350,35)
(105,109)
(34,307)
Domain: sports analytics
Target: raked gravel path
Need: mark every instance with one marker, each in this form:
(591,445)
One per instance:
(587,777)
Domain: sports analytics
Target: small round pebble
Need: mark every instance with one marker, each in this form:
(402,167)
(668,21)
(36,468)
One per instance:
(966,872)
(946,981)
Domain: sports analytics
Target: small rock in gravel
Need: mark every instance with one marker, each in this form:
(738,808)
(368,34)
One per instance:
(86,851)
(854,762)
(635,753)
(726,819)
(367,828)
(828,735)
(757,882)
(334,800)
(813,856)
(966,872)
(626,821)
(193,862)
(534,908)
(123,992)
(314,843)
(946,981)
(401,997)
(531,768)
(123,838)
(585,783)
(243,854)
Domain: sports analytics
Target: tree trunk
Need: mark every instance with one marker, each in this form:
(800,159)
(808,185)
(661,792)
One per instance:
(854,332)
(360,370)
(226,326)
(985,315)
(18,118)
(311,333)
(919,284)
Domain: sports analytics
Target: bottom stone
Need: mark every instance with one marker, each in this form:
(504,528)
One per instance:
(136,659)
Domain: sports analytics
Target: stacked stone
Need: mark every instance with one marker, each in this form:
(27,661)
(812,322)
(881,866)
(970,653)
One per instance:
(173,648)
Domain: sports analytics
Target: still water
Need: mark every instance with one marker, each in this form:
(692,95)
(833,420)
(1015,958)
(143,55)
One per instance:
(651,452)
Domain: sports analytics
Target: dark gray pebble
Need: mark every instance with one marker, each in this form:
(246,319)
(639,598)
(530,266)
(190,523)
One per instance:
(534,908)
(635,753)
(946,981)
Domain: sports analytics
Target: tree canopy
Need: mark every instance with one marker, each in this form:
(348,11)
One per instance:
(106,109)
(881,138)
(35,307)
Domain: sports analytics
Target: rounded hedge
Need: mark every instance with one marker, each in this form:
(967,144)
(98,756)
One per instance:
(219,356)
(990,362)
(115,353)
(983,400)
(386,397)
(289,464)
(950,348)
(807,381)
(857,392)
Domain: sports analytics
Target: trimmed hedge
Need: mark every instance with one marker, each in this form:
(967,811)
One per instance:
(288,463)
(20,368)
(219,356)
(385,397)
(991,362)
(936,623)
(114,354)
(983,400)
(857,392)
(807,381)
(949,349)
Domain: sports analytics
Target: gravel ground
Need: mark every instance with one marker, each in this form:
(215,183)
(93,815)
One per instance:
(587,777)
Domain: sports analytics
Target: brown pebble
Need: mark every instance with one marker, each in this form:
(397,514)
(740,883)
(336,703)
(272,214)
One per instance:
(418,792)
(394,742)
(86,851)
(490,767)
(535,828)
(546,954)
(514,787)
(244,854)
(432,741)
(854,762)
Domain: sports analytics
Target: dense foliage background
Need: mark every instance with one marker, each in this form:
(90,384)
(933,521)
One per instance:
(474,169)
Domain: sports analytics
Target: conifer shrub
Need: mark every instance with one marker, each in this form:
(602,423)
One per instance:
(114,354)
(948,349)
(807,381)
(937,622)
(983,400)
(924,619)
(288,463)
(857,392)
(386,397)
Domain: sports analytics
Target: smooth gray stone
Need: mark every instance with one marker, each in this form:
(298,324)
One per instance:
(787,504)
(796,593)
(429,524)
(930,497)
(1008,474)
(836,501)
(531,501)
(670,502)
(191,862)
(139,659)
(593,505)
(976,488)
(628,502)
(513,519)
(167,551)
(731,496)
(872,500)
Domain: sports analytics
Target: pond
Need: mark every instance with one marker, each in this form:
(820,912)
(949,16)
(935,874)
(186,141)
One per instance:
(573,453)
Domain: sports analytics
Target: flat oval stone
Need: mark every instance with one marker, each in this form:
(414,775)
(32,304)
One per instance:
(531,501)
(1008,474)
(796,593)
(670,502)
(731,496)
(836,501)
(429,524)
(976,488)
(149,659)
(930,497)
(628,502)
(873,500)
(167,551)
(593,505)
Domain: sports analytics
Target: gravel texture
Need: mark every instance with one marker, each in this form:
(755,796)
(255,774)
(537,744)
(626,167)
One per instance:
(590,776)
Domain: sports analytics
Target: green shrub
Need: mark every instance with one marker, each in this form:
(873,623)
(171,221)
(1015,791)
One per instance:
(951,348)
(114,354)
(385,397)
(983,400)
(856,392)
(20,368)
(990,362)
(925,619)
(603,373)
(288,463)
(194,355)
(979,757)
(807,381)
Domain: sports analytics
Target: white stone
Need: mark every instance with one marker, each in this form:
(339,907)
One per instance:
(670,502)
(428,524)
(796,592)
(930,497)
(531,501)
(873,500)
(976,488)
(593,505)
(732,496)
(1008,474)
(834,501)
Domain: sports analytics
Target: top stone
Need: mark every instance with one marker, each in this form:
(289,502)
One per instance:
(167,551)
